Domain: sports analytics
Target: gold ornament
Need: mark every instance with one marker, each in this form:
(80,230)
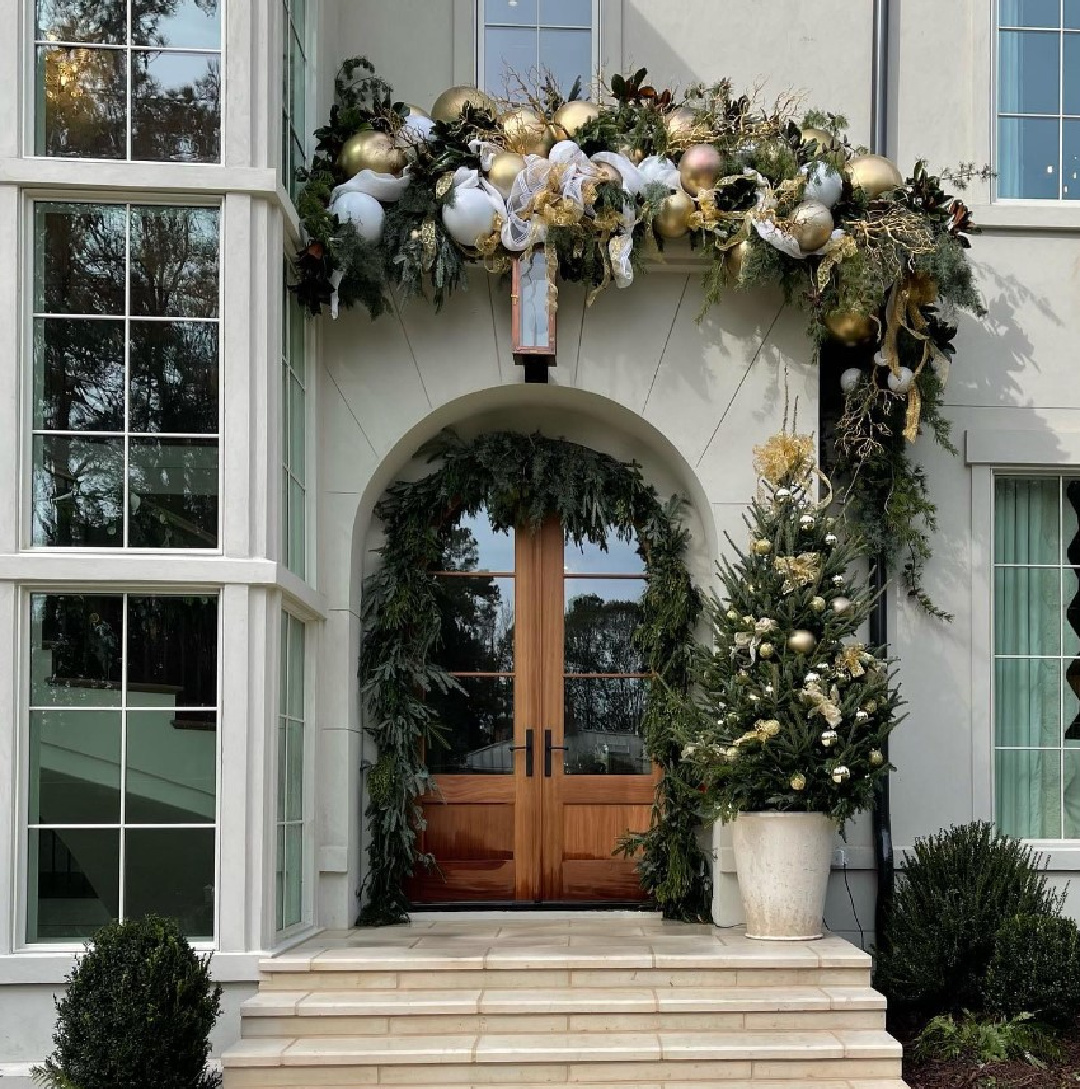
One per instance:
(801,641)
(681,122)
(634,154)
(734,260)
(826,140)
(570,116)
(841,605)
(800,570)
(877,757)
(850,327)
(828,738)
(840,774)
(527,132)
(762,547)
(812,225)
(505,167)
(451,102)
(818,604)
(874,174)
(798,781)
(766,650)
(608,173)
(922,289)
(672,215)
(699,168)
(371,150)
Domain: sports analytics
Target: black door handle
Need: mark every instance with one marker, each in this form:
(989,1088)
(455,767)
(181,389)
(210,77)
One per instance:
(528,747)
(548,750)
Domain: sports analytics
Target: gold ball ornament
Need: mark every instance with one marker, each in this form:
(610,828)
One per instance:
(874,174)
(571,116)
(734,259)
(762,547)
(448,106)
(850,327)
(607,173)
(681,122)
(841,774)
(877,758)
(505,167)
(671,217)
(798,781)
(634,154)
(841,605)
(825,139)
(699,168)
(766,650)
(801,641)
(370,150)
(812,225)
(527,132)
(818,604)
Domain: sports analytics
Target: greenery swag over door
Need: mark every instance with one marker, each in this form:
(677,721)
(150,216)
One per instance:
(520,480)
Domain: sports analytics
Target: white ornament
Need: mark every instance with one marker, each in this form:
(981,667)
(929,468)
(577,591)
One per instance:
(769,690)
(900,382)
(861,716)
(417,127)
(838,580)
(470,217)
(806,521)
(813,678)
(831,539)
(850,379)
(824,183)
(364,212)
(783,493)
(828,738)
(840,774)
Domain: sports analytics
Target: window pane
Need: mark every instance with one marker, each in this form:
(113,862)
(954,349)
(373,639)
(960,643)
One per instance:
(295,707)
(1070,526)
(173,501)
(294,772)
(602,726)
(567,55)
(78,492)
(79,259)
(566,13)
(1029,13)
(171,767)
(174,262)
(174,376)
(75,649)
(1071,795)
(1070,93)
(1027,611)
(279,883)
(74,767)
(195,24)
(518,12)
(1070,620)
(472,545)
(172,646)
(616,557)
(1070,162)
(82,102)
(477,624)
(298,86)
(74,880)
(1072,14)
(506,50)
(1029,72)
(297,430)
(1028,793)
(297,329)
(176,107)
(1028,158)
(282,765)
(171,872)
(1027,701)
(1026,520)
(78,375)
(1071,704)
(600,619)
(82,20)
(294,874)
(297,529)
(477,723)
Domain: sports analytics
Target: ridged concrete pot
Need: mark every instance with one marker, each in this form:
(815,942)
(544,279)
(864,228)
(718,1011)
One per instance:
(782,861)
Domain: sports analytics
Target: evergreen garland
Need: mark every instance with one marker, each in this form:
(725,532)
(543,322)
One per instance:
(520,480)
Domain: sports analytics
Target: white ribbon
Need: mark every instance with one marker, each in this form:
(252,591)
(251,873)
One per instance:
(384,187)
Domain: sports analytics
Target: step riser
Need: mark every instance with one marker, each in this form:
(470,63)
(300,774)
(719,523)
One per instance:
(782,1021)
(551,979)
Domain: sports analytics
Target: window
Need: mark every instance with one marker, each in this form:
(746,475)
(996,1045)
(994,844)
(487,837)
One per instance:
(1038,99)
(293,437)
(1037,656)
(294,93)
(290,762)
(530,37)
(122,751)
(125,396)
(128,79)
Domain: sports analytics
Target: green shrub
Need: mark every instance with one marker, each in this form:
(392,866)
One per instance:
(958,889)
(137,1012)
(985,1041)
(1036,970)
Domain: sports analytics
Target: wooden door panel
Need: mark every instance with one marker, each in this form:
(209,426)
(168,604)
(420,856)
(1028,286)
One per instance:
(466,832)
(464,882)
(601,879)
(592,831)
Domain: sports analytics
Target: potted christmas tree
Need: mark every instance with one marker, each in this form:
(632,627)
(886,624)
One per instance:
(792,712)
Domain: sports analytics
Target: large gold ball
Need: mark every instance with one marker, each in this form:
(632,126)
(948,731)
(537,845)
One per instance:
(874,174)
(681,122)
(734,260)
(606,172)
(527,132)
(812,225)
(634,154)
(824,139)
(451,102)
(672,215)
(370,150)
(699,168)
(850,327)
(505,167)
(570,116)
(801,641)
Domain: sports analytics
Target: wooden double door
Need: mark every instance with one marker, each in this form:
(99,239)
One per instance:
(541,768)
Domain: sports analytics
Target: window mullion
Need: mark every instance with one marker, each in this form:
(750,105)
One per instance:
(123,756)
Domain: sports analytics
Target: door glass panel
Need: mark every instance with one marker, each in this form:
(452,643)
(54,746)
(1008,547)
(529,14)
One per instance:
(472,545)
(477,632)
(476,724)
(602,726)
(600,619)
(619,557)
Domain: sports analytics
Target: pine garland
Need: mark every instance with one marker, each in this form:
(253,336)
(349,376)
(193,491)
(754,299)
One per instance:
(520,480)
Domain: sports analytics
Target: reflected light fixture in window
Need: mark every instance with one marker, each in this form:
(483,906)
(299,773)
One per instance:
(534,315)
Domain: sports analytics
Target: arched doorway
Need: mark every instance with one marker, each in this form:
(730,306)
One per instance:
(541,767)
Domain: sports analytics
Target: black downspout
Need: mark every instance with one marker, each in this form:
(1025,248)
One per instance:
(879,618)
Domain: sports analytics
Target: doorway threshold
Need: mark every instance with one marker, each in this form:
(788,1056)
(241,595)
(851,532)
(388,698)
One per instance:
(515,909)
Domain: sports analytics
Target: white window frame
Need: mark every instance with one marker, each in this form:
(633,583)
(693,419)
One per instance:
(20,890)
(29,120)
(588,88)
(310,43)
(26,369)
(285,435)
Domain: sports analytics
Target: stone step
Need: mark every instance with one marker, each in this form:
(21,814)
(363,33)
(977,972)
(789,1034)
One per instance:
(450,1012)
(664,1058)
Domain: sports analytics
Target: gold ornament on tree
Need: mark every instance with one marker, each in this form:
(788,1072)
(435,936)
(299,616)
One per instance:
(874,174)
(801,641)
(734,260)
(826,140)
(681,122)
(527,132)
(371,150)
(451,102)
(671,219)
(762,547)
(505,167)
(634,154)
(812,225)
(850,326)
(699,168)
(571,116)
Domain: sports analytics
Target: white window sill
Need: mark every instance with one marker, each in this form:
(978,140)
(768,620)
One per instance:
(1047,215)
(50,968)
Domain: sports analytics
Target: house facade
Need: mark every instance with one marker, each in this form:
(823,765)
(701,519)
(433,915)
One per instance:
(191,465)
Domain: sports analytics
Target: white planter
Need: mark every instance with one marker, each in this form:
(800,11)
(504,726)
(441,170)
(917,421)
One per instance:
(783,860)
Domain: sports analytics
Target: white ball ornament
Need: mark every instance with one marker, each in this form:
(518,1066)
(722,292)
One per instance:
(850,379)
(831,539)
(828,738)
(364,212)
(769,690)
(901,381)
(470,217)
(417,125)
(841,605)
(861,716)
(840,774)
(838,580)
(806,521)
(823,183)
(812,677)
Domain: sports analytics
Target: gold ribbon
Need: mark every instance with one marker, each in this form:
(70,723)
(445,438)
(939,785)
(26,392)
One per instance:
(800,570)
(828,706)
(902,312)
(427,243)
